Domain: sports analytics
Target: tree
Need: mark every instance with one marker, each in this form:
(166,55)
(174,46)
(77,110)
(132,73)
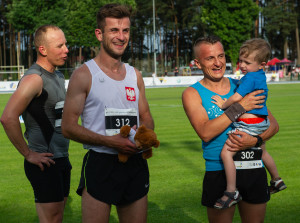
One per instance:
(27,15)
(4,27)
(141,24)
(174,19)
(231,20)
(280,22)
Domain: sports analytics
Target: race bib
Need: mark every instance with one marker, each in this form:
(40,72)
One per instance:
(248,159)
(58,113)
(116,118)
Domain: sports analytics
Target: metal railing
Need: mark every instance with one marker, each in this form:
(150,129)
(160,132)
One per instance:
(6,72)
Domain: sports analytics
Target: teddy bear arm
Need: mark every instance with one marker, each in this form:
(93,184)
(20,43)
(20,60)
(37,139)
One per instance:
(147,154)
(157,143)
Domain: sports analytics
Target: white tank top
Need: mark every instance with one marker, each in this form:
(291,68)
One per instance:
(110,104)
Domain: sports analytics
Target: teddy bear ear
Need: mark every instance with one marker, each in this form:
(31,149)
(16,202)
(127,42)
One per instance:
(142,128)
(156,144)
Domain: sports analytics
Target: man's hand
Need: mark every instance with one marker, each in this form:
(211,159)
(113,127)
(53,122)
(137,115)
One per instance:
(239,140)
(251,101)
(121,144)
(39,159)
(218,101)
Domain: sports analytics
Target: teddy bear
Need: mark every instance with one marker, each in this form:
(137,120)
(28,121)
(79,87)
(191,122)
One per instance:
(143,137)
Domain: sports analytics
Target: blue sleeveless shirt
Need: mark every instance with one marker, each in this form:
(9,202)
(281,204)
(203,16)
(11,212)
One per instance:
(212,149)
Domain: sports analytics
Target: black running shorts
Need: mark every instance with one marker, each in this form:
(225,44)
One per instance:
(251,183)
(52,184)
(112,182)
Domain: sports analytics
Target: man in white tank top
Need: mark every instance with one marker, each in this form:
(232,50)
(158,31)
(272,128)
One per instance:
(108,94)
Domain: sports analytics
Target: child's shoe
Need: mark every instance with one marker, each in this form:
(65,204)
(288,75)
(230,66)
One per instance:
(277,185)
(232,198)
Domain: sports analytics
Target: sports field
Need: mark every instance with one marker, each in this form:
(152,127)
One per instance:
(176,169)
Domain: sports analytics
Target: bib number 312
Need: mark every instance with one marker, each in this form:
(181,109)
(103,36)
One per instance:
(116,118)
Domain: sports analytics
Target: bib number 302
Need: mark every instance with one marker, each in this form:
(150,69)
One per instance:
(248,159)
(247,155)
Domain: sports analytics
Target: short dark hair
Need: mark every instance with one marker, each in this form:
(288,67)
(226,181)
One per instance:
(39,35)
(113,10)
(207,39)
(260,46)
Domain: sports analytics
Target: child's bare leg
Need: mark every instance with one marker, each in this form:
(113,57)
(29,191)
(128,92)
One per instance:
(276,183)
(230,196)
(230,170)
(269,163)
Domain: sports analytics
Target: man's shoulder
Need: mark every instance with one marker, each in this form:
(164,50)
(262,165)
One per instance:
(33,73)
(82,70)
(129,67)
(191,90)
(34,69)
(81,76)
(31,85)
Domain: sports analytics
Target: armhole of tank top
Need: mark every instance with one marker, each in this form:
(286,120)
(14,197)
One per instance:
(131,72)
(94,70)
(35,71)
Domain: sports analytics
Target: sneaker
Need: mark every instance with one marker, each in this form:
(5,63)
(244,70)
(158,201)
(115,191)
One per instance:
(277,185)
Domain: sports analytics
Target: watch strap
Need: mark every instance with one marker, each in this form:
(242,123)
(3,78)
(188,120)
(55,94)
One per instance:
(259,141)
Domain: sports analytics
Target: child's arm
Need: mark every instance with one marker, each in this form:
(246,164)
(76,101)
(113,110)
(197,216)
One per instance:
(224,103)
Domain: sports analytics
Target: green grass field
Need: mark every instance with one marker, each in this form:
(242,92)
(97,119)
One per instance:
(176,169)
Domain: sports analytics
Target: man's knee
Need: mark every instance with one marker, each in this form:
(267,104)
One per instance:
(94,210)
(135,212)
(50,212)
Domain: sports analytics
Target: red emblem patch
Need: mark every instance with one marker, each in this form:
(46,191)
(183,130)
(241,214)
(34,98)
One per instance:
(130,94)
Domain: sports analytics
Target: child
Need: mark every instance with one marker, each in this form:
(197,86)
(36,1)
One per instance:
(253,56)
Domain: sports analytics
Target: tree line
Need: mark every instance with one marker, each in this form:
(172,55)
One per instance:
(178,24)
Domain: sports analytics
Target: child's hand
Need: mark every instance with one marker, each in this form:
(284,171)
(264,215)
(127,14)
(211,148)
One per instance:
(218,101)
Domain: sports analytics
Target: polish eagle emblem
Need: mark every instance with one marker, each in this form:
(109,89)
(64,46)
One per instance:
(130,94)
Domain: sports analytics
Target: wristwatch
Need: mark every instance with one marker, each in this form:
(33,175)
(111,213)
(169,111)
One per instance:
(259,141)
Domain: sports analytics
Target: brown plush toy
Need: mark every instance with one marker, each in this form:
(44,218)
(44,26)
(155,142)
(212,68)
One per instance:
(144,139)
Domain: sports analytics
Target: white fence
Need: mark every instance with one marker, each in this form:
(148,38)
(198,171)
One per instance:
(10,70)
(179,81)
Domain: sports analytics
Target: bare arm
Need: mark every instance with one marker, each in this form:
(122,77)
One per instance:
(144,110)
(223,104)
(205,128)
(29,88)
(208,129)
(79,86)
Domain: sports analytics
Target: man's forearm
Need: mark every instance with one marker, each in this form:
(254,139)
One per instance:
(82,135)
(147,120)
(14,133)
